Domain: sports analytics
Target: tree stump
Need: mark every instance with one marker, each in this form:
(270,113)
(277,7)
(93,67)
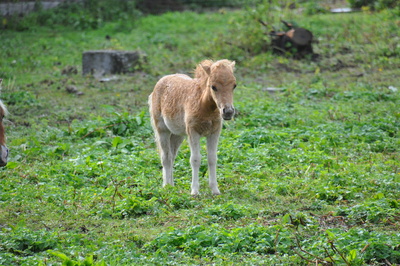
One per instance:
(295,41)
(102,62)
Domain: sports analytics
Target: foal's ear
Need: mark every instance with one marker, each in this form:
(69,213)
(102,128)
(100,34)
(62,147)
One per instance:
(206,69)
(233,63)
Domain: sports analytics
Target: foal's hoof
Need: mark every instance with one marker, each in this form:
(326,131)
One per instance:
(216,192)
(194,193)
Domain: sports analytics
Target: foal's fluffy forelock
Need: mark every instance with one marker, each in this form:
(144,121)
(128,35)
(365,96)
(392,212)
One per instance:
(206,66)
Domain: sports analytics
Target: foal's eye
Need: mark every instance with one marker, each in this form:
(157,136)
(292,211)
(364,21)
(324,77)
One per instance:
(214,88)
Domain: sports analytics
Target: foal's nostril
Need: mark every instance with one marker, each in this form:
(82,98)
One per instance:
(228,111)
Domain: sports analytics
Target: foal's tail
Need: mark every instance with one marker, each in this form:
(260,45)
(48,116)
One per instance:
(151,110)
(153,124)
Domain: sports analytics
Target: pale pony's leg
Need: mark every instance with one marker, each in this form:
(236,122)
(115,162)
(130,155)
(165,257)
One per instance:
(162,135)
(175,143)
(212,144)
(166,157)
(195,160)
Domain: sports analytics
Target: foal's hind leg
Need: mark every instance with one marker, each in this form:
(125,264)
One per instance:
(175,143)
(166,157)
(169,146)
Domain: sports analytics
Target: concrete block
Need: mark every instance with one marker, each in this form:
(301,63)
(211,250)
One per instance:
(103,62)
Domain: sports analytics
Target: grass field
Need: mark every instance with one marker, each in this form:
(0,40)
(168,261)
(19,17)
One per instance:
(309,174)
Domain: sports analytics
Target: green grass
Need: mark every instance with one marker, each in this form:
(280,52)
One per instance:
(310,173)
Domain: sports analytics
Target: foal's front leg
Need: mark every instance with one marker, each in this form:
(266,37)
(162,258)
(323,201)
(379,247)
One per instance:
(212,144)
(195,160)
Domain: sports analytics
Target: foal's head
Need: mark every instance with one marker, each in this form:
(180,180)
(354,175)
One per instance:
(3,148)
(221,82)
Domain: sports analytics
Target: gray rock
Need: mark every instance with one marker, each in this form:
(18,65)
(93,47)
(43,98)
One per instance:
(102,62)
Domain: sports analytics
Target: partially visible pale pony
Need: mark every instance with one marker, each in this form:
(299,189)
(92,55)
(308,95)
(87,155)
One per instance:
(180,106)
(3,148)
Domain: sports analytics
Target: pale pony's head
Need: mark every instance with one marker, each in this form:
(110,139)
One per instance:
(221,81)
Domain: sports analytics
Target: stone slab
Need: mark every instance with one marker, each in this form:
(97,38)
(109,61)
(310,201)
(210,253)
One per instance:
(103,62)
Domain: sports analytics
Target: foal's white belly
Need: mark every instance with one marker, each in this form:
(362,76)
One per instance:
(176,125)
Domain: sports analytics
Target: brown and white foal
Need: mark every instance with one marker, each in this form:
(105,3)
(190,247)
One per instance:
(3,148)
(181,106)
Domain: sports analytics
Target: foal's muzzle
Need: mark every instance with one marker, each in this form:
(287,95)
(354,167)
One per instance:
(227,113)
(3,155)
